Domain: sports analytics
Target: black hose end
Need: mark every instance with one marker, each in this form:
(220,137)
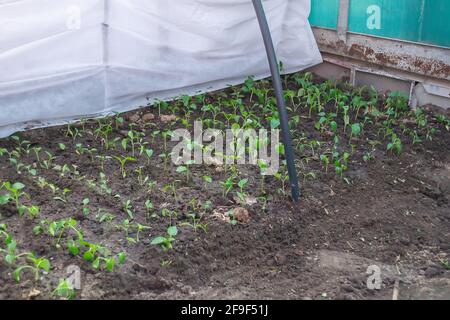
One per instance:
(295,193)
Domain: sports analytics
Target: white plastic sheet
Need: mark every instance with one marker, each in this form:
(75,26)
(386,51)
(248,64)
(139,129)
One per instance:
(62,60)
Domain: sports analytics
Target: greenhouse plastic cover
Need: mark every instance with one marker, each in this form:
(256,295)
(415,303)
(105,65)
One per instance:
(62,60)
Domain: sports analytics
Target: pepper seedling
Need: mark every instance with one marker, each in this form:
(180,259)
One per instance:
(38,265)
(185,169)
(165,242)
(14,194)
(242,184)
(128,208)
(326,161)
(123,161)
(149,154)
(356,131)
(86,202)
(395,144)
(64,290)
(149,207)
(207,179)
(227,185)
(196,225)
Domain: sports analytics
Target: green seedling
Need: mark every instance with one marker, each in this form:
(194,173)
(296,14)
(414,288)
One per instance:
(47,162)
(139,229)
(207,179)
(368,156)
(17,164)
(227,185)
(123,161)
(242,184)
(165,242)
(356,131)
(326,161)
(104,130)
(102,160)
(445,264)
(9,252)
(262,167)
(283,177)
(104,187)
(105,217)
(96,254)
(232,217)
(161,105)
(149,154)
(57,229)
(33,211)
(64,170)
(185,169)
(3,232)
(313,145)
(341,163)
(73,132)
(443,120)
(63,197)
(127,140)
(170,214)
(85,203)
(166,134)
(4,151)
(125,226)
(165,157)
(23,146)
(14,194)
(149,207)
(128,208)
(195,223)
(119,121)
(395,144)
(172,187)
(64,290)
(152,184)
(141,179)
(37,265)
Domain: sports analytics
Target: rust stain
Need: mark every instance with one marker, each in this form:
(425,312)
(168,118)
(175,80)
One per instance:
(387,58)
(360,51)
(422,65)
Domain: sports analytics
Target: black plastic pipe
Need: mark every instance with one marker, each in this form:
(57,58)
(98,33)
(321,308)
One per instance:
(277,85)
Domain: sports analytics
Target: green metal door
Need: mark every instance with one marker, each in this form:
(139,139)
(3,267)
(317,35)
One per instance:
(423,21)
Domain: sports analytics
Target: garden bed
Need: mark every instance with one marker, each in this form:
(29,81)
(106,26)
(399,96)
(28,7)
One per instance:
(375,182)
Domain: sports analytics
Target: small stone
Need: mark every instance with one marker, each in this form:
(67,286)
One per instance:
(148,117)
(405,241)
(33,294)
(250,200)
(219,169)
(241,215)
(215,161)
(168,118)
(280,258)
(134,117)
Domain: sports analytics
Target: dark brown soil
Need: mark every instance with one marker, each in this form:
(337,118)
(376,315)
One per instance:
(392,211)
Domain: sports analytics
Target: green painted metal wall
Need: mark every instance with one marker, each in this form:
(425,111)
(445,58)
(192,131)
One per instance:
(424,21)
(436,22)
(324,13)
